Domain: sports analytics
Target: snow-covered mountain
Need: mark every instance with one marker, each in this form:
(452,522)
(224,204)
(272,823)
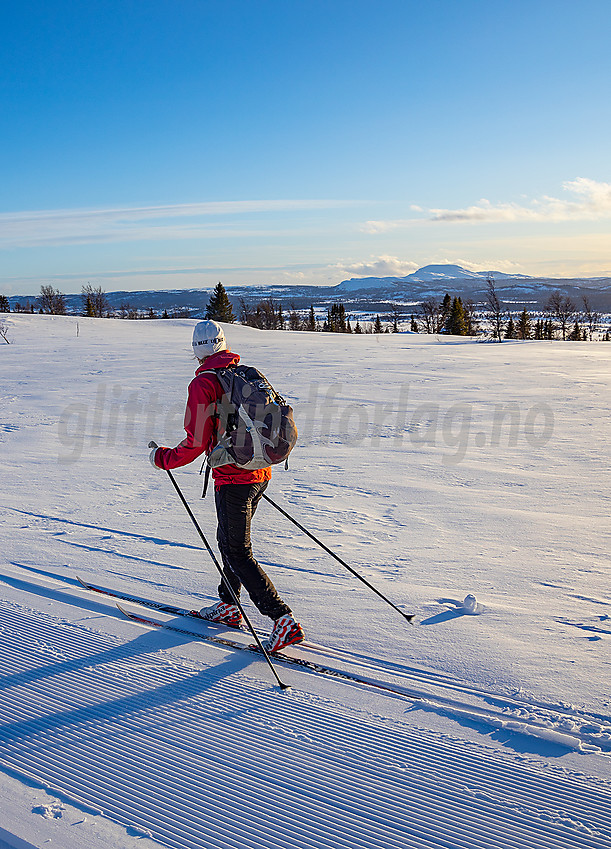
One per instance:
(433,281)
(428,274)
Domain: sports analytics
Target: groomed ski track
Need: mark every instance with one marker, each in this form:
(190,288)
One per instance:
(205,752)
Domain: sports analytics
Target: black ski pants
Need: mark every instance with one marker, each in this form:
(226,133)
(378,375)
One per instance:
(235,506)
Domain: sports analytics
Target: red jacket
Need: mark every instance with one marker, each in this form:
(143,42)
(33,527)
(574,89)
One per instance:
(204,391)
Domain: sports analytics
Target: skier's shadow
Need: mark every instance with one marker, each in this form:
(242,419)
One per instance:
(116,531)
(136,703)
(148,643)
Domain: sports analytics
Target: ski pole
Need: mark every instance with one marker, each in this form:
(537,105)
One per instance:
(223,578)
(408,616)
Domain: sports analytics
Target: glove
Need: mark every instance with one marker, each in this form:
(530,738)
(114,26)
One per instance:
(153,445)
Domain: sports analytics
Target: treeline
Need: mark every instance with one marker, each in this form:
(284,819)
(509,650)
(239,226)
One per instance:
(95,304)
(562,318)
(269,315)
(450,315)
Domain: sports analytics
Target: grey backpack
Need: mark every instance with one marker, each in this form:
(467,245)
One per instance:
(255,425)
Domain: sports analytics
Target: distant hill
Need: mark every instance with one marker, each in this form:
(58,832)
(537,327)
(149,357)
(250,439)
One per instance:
(433,281)
(427,274)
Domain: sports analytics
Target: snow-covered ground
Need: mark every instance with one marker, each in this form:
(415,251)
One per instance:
(439,468)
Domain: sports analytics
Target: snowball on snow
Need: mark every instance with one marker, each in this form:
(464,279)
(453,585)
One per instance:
(470,604)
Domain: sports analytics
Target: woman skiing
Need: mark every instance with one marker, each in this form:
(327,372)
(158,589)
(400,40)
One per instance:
(237,493)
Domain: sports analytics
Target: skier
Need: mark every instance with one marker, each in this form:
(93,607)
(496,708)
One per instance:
(237,493)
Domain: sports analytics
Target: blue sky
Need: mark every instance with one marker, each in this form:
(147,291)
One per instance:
(173,144)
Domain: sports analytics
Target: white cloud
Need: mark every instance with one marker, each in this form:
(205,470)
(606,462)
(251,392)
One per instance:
(592,203)
(88,226)
(381,266)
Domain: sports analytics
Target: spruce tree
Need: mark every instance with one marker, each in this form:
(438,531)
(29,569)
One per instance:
(4,304)
(446,306)
(358,328)
(414,325)
(219,306)
(336,319)
(311,322)
(333,319)
(576,335)
(456,323)
(524,327)
(510,332)
(377,325)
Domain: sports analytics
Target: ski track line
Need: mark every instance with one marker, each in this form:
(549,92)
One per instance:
(223,763)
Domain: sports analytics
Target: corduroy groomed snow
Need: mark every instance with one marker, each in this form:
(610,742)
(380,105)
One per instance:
(208,338)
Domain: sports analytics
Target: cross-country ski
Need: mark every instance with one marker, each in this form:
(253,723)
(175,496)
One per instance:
(281,657)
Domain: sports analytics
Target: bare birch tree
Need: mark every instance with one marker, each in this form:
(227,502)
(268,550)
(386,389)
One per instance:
(495,309)
(52,302)
(430,310)
(95,302)
(590,316)
(563,309)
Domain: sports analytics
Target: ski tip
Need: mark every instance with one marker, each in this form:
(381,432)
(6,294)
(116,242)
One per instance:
(134,617)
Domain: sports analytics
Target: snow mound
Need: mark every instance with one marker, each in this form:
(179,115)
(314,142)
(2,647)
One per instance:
(49,812)
(470,604)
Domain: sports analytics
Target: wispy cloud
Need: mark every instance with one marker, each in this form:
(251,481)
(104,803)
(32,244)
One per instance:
(142,223)
(592,202)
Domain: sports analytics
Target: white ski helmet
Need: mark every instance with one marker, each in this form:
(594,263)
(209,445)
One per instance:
(208,338)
